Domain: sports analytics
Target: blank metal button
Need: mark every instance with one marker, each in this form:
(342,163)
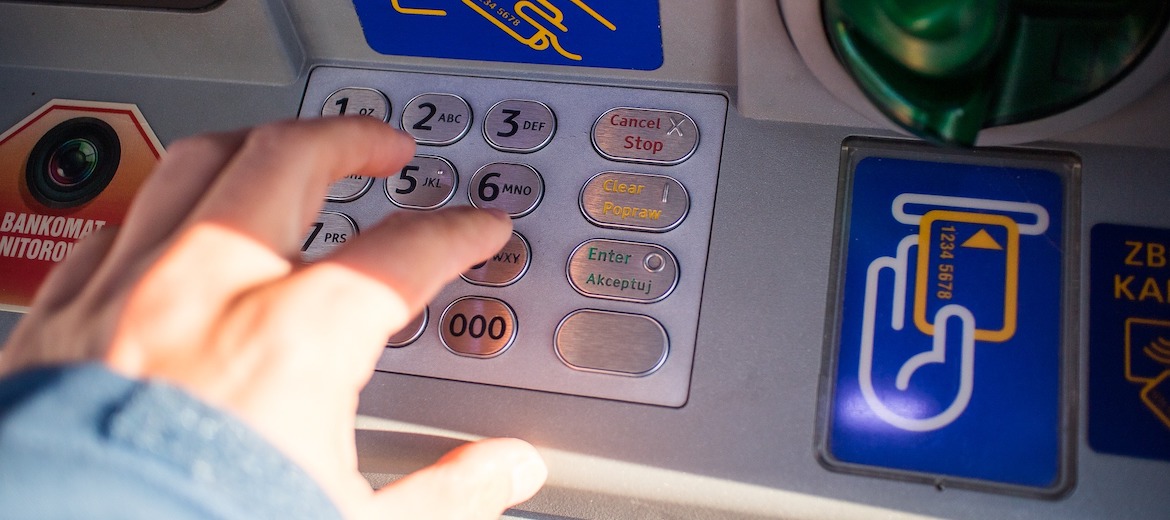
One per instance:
(411,331)
(357,102)
(330,230)
(477,327)
(436,119)
(520,126)
(645,135)
(634,201)
(503,268)
(612,342)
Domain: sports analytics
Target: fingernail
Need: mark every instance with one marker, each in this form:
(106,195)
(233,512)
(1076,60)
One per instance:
(528,475)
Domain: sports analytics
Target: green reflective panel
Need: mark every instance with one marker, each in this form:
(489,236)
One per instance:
(946,69)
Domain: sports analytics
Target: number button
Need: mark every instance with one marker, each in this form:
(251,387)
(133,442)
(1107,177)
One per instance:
(477,327)
(503,268)
(357,102)
(411,331)
(519,126)
(436,119)
(348,188)
(328,232)
(515,189)
(426,182)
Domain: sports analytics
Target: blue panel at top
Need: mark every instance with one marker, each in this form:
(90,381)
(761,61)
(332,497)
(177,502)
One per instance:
(587,33)
(1129,341)
(949,360)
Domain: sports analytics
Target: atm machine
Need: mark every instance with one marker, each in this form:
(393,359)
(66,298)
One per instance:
(772,259)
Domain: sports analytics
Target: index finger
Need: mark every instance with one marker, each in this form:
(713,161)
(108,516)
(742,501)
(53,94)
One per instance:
(277,182)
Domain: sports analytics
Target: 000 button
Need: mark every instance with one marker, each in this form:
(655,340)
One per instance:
(478,327)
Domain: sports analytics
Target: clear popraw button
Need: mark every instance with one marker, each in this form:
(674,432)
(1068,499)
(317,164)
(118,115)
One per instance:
(621,270)
(426,182)
(611,342)
(515,189)
(645,135)
(328,232)
(480,327)
(436,119)
(519,126)
(634,201)
(357,102)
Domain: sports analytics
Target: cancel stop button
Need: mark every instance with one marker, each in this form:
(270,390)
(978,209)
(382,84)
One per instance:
(645,135)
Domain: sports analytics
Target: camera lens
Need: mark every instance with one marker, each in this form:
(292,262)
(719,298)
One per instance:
(73,162)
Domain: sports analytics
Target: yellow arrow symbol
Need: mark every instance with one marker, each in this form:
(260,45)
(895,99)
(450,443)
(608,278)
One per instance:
(982,240)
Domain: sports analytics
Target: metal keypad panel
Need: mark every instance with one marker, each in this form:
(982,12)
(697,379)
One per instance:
(611,191)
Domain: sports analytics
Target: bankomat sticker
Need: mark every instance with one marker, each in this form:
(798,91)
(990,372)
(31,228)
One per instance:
(1129,341)
(67,171)
(946,352)
(588,33)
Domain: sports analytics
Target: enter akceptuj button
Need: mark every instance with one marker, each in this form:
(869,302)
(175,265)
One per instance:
(645,135)
(620,270)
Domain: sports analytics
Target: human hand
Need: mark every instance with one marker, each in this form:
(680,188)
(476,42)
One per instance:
(202,287)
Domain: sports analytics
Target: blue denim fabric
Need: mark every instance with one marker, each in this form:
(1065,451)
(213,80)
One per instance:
(82,442)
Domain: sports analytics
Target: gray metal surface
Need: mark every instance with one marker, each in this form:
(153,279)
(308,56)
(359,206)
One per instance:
(743,444)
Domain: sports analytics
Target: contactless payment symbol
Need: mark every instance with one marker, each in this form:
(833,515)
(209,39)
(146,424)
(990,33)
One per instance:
(1129,341)
(947,365)
(591,33)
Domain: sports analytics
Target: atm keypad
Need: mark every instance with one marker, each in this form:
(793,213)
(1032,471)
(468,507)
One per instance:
(597,292)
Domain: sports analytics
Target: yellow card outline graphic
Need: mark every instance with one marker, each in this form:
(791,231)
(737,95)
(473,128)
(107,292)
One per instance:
(1160,406)
(1011,276)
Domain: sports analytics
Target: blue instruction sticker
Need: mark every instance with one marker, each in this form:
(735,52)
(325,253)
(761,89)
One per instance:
(1129,341)
(948,365)
(587,33)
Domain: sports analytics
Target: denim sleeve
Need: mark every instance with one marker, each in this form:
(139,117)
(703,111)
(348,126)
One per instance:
(82,442)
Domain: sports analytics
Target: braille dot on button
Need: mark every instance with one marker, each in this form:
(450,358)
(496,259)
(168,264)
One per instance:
(653,262)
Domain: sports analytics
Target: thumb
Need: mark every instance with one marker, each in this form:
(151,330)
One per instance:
(474,481)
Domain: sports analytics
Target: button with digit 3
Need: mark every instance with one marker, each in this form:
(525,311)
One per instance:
(330,230)
(358,102)
(426,182)
(475,326)
(515,125)
(515,189)
(436,119)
